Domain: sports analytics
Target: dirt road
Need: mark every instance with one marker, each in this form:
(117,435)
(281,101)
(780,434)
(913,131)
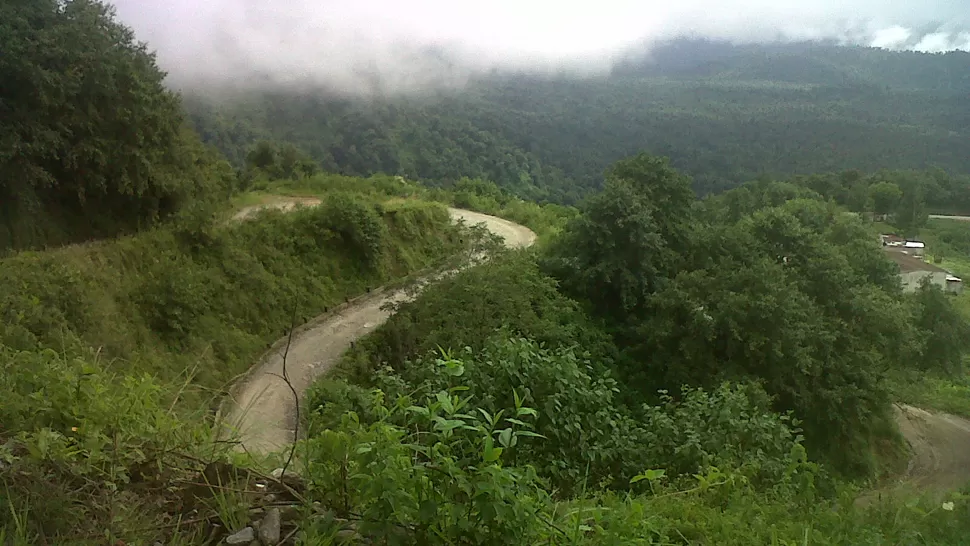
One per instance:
(261,407)
(283,203)
(947,217)
(940,445)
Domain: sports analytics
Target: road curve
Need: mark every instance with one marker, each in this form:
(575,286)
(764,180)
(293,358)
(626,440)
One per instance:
(260,410)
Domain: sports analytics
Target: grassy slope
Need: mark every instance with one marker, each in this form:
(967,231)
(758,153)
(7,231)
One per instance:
(99,341)
(155,304)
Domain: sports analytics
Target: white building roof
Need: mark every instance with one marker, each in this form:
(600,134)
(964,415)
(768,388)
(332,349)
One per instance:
(914,244)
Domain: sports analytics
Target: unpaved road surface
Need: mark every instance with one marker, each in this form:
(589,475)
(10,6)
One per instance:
(940,445)
(939,461)
(261,408)
(947,217)
(285,204)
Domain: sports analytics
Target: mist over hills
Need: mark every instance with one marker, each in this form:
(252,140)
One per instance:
(725,113)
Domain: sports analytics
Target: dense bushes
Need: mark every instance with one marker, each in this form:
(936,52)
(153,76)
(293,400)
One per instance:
(455,458)
(765,283)
(467,309)
(208,296)
(588,435)
(87,455)
(549,419)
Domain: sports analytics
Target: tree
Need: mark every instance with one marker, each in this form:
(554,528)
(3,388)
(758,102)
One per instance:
(263,156)
(885,196)
(91,141)
(628,240)
(911,211)
(943,335)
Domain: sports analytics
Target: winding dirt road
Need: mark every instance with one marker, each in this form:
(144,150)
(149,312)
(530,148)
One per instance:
(261,407)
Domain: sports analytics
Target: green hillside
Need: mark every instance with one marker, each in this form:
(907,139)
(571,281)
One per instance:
(664,366)
(723,114)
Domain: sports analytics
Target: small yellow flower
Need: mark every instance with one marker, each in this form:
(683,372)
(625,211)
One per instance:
(948,506)
(73,429)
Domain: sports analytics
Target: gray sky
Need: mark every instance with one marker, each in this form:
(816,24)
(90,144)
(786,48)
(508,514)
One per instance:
(349,44)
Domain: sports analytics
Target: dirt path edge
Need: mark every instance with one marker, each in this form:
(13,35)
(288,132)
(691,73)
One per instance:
(260,410)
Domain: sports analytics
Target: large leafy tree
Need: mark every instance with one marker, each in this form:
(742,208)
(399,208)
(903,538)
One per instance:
(767,283)
(91,143)
(885,196)
(630,238)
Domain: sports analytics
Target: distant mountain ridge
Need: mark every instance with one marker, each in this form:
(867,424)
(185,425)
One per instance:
(724,114)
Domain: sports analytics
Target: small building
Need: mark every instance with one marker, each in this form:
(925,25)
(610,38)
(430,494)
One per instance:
(912,270)
(891,239)
(954,285)
(914,247)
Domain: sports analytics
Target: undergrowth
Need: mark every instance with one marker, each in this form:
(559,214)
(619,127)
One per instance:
(112,353)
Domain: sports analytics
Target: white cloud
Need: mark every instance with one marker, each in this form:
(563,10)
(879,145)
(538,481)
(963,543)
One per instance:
(351,44)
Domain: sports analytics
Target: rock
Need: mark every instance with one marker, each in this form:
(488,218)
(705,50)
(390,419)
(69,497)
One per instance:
(269,528)
(289,512)
(242,537)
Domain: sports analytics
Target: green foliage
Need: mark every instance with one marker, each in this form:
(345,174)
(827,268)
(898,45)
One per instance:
(588,436)
(429,470)
(467,309)
(434,462)
(629,238)
(723,113)
(769,284)
(284,161)
(799,297)
(904,197)
(207,296)
(358,225)
(93,144)
(885,197)
(409,456)
(80,446)
(943,333)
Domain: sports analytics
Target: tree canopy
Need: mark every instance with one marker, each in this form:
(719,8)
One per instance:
(723,114)
(768,282)
(91,142)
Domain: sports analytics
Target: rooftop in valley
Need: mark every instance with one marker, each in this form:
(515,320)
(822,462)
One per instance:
(909,263)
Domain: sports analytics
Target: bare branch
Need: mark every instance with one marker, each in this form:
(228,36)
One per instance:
(296,395)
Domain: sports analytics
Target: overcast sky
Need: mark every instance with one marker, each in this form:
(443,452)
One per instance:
(346,44)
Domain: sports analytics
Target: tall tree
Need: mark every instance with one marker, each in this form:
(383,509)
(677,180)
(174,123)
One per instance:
(630,238)
(91,142)
(885,196)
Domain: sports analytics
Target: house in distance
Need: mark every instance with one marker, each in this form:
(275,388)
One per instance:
(908,255)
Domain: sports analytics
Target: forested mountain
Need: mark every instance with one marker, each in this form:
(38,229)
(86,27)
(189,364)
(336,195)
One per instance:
(723,114)
(657,369)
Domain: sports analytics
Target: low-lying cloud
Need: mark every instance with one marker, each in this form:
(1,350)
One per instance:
(386,46)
